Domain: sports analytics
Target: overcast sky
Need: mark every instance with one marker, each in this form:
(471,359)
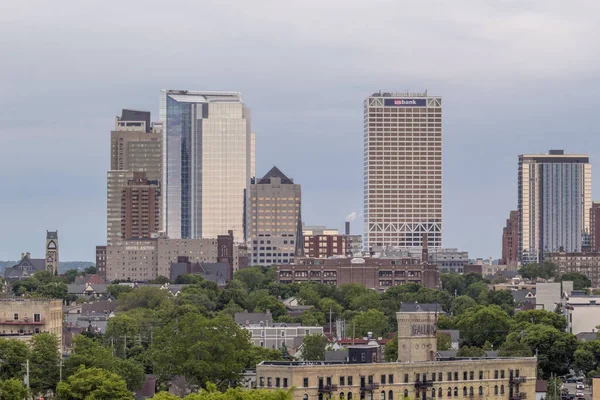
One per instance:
(515,76)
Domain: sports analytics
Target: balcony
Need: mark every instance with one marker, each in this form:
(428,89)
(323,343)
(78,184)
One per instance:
(327,388)
(519,396)
(369,387)
(22,322)
(517,379)
(423,384)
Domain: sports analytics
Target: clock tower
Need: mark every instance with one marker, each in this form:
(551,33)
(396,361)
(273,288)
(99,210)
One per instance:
(52,252)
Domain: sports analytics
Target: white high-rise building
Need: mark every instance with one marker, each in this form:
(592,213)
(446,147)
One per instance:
(402,170)
(555,198)
(208,162)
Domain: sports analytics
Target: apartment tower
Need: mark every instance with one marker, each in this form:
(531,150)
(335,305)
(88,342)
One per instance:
(510,240)
(136,146)
(273,219)
(402,170)
(555,198)
(207,163)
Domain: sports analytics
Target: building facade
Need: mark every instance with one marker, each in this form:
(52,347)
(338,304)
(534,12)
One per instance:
(325,246)
(375,273)
(595,226)
(554,199)
(140,208)
(207,162)
(419,374)
(448,260)
(510,240)
(21,318)
(136,147)
(101,261)
(52,252)
(273,219)
(144,260)
(402,169)
(587,264)
(582,313)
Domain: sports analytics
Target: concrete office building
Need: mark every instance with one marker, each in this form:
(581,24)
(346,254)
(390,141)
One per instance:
(273,219)
(136,146)
(419,373)
(402,169)
(144,260)
(207,163)
(510,240)
(554,199)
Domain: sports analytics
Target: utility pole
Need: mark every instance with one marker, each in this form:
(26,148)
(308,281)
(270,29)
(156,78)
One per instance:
(330,329)
(60,365)
(27,374)
(125,347)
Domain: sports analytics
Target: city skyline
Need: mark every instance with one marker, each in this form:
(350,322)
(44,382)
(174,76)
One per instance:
(549,95)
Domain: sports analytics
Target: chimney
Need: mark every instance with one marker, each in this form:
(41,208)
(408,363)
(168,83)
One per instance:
(425,255)
(22,256)
(28,254)
(347,228)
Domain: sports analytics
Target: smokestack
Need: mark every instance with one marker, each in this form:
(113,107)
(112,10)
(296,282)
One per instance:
(425,255)
(347,228)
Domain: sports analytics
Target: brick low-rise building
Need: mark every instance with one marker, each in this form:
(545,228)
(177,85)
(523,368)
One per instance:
(376,273)
(587,264)
(419,373)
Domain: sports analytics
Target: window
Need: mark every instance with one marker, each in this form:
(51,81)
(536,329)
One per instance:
(502,374)
(36,330)
(16,318)
(285,382)
(277,382)
(390,395)
(501,389)
(349,395)
(481,390)
(440,392)
(342,381)
(305,397)
(516,373)
(363,357)
(464,391)
(390,379)
(433,392)
(496,390)
(305,382)
(455,391)
(282,333)
(269,382)
(382,395)
(418,378)
(405,393)
(37,318)
(262,381)
(456,376)
(349,384)
(480,374)
(383,382)
(449,376)
(496,374)
(449,392)
(471,391)
(440,377)
(405,378)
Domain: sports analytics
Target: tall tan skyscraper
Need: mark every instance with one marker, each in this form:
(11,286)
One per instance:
(136,146)
(402,170)
(555,198)
(273,219)
(208,162)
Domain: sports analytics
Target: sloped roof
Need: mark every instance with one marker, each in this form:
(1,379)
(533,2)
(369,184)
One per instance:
(418,307)
(275,173)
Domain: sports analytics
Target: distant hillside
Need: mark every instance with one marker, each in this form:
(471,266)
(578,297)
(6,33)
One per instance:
(62,267)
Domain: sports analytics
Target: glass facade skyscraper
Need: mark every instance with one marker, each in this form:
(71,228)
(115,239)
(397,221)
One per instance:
(208,163)
(555,198)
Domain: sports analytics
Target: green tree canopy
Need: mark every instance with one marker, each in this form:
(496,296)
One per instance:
(554,349)
(580,281)
(313,347)
(444,341)
(481,324)
(543,317)
(12,389)
(470,351)
(44,360)
(93,384)
(461,304)
(252,277)
(370,321)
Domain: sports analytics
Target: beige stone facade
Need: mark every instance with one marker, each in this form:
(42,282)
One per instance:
(472,379)
(22,318)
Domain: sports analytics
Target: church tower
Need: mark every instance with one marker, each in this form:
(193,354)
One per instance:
(417,327)
(52,252)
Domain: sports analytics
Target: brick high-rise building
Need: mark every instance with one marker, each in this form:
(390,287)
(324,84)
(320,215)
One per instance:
(140,208)
(595,226)
(555,198)
(135,147)
(510,240)
(273,219)
(402,170)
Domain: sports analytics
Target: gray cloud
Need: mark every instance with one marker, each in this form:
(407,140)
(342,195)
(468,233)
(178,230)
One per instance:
(516,77)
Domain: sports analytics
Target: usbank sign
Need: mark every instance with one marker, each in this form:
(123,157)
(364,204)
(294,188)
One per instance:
(405,103)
